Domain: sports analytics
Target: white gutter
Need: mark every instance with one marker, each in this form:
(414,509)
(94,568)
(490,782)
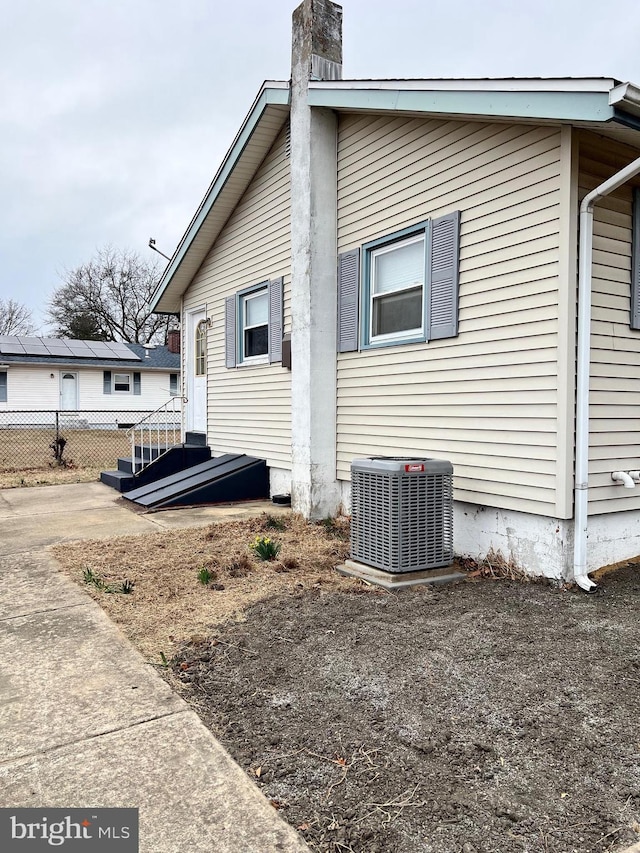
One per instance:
(580,575)
(625,97)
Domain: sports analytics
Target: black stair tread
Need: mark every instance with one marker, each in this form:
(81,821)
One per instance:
(118,474)
(215,470)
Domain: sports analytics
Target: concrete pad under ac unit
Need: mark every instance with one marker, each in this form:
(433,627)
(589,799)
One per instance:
(399,580)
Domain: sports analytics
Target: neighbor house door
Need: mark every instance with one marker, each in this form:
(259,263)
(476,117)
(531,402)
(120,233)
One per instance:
(68,391)
(196,357)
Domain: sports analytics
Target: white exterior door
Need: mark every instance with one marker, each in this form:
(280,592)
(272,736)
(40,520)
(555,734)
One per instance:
(68,391)
(196,368)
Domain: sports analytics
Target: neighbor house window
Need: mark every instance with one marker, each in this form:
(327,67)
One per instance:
(122,383)
(173,384)
(402,288)
(200,349)
(3,386)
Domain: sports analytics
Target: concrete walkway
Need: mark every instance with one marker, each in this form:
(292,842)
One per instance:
(84,720)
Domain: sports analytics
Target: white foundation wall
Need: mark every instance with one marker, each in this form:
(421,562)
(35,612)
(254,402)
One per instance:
(540,545)
(279,481)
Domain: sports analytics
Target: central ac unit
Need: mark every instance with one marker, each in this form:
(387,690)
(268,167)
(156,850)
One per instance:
(402,513)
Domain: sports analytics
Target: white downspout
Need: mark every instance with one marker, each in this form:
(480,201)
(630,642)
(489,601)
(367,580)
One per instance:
(582,369)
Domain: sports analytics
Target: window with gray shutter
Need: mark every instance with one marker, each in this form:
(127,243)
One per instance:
(442,283)
(276,319)
(106,382)
(137,384)
(348,294)
(230,331)
(407,291)
(3,386)
(634,319)
(173,384)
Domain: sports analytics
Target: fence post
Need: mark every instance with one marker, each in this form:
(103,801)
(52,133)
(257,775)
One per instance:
(57,428)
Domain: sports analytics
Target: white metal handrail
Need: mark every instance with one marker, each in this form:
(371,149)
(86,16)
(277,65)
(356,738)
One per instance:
(156,433)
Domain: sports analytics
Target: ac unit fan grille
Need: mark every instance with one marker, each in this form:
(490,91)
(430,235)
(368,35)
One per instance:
(402,522)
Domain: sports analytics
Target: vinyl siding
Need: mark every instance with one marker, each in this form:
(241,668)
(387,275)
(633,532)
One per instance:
(249,408)
(614,410)
(488,399)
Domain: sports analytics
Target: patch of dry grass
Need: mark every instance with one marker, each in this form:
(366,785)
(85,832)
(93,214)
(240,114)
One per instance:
(26,456)
(169,604)
(53,476)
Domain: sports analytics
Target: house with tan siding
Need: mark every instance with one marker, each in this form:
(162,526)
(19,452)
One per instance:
(391,268)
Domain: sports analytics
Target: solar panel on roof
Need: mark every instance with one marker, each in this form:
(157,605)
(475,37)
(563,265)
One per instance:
(65,348)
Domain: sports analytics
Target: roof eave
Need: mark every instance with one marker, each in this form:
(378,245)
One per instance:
(255,137)
(574,101)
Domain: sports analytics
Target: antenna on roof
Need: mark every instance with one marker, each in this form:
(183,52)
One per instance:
(152,245)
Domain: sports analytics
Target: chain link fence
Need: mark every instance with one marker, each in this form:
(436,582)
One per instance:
(32,441)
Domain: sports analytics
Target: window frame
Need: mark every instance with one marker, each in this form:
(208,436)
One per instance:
(200,348)
(242,297)
(115,390)
(4,386)
(370,250)
(174,379)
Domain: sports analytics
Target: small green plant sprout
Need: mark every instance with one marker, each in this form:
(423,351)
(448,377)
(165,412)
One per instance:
(126,587)
(205,576)
(265,548)
(164,661)
(90,577)
(272,522)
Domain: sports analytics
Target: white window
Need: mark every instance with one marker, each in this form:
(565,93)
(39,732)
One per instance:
(200,349)
(396,290)
(402,288)
(121,383)
(254,325)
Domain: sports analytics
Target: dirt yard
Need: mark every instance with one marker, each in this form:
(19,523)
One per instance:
(493,716)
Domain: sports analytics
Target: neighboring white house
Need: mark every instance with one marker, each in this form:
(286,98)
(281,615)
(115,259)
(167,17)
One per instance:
(95,378)
(416,242)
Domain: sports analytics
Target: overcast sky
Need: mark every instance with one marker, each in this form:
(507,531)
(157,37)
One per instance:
(115,114)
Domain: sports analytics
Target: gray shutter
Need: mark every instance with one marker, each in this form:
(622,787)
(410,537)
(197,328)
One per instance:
(137,385)
(442,295)
(230,331)
(634,320)
(173,383)
(3,386)
(348,293)
(106,382)
(276,319)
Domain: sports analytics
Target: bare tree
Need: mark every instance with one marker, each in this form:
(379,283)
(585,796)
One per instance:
(110,296)
(15,318)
